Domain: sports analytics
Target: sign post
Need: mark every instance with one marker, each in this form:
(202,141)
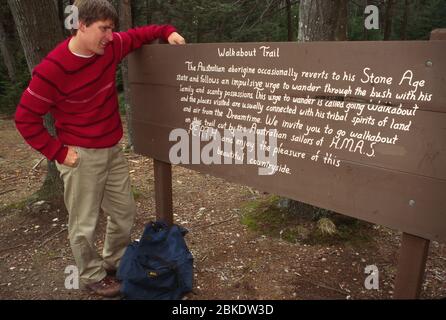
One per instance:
(414,250)
(163,191)
(353,127)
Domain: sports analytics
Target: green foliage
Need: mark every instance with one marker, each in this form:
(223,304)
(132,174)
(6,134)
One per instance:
(423,17)
(121,101)
(243,21)
(136,193)
(203,21)
(268,217)
(119,83)
(412,22)
(10,92)
(223,21)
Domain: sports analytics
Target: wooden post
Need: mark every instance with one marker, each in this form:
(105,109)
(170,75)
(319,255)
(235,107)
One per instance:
(163,182)
(411,266)
(163,191)
(414,250)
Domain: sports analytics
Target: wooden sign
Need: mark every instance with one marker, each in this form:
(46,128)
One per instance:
(355,127)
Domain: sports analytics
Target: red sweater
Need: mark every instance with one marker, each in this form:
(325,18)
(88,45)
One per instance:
(81,95)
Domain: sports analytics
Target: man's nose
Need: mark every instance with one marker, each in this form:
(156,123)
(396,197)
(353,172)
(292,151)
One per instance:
(109,35)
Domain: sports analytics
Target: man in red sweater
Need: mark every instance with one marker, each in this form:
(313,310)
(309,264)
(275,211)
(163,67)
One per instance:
(76,83)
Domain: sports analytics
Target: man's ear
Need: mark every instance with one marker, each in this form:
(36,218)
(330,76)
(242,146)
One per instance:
(82,26)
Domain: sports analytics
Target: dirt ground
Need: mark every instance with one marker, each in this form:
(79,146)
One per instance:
(231,261)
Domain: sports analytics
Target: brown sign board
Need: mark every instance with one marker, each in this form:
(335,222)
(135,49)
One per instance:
(360,126)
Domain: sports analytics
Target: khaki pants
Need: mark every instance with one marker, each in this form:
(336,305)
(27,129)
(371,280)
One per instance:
(100,180)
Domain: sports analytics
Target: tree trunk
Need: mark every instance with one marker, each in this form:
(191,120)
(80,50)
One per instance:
(125,22)
(341,21)
(134,9)
(198,30)
(149,12)
(289,20)
(166,9)
(39,31)
(365,33)
(60,5)
(7,53)
(61,12)
(319,20)
(403,35)
(388,20)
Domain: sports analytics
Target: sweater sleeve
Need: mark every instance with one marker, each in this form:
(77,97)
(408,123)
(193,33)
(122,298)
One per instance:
(134,38)
(35,102)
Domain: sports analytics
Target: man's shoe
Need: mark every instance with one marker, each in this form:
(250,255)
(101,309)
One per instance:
(107,287)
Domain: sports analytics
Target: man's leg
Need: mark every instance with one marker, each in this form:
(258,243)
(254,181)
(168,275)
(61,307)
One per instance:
(119,206)
(84,187)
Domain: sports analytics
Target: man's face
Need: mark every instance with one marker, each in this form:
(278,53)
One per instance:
(96,36)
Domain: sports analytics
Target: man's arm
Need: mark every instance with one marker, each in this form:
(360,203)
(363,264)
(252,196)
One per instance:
(126,42)
(35,102)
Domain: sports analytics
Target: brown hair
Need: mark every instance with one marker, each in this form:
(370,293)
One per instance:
(91,11)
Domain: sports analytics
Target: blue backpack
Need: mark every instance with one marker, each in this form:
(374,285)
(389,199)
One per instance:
(159,266)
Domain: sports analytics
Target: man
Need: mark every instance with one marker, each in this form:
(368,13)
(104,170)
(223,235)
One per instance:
(76,84)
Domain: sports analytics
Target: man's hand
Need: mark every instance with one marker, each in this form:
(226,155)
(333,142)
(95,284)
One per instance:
(72,158)
(175,38)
